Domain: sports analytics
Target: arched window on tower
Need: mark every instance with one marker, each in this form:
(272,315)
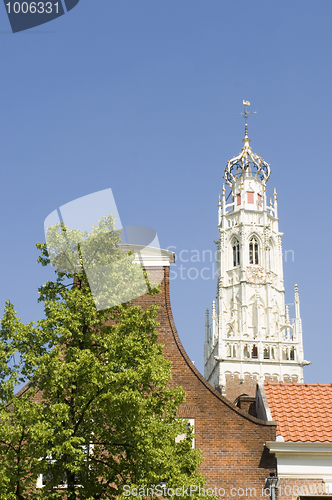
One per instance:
(266,353)
(253,250)
(260,202)
(236,253)
(254,352)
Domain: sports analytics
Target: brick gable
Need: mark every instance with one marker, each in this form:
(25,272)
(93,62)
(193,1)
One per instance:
(231,440)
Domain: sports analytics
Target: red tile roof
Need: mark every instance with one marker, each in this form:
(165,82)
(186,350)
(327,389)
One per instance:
(303,411)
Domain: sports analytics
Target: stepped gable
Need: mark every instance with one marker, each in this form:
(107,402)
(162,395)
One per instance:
(303,411)
(231,440)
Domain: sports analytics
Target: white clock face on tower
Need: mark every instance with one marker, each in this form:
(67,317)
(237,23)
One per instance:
(256,274)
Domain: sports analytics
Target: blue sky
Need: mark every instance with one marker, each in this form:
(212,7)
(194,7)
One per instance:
(141,96)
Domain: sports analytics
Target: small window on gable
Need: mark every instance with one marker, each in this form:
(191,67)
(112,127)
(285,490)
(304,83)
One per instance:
(48,477)
(254,352)
(250,196)
(238,199)
(182,437)
(236,253)
(266,353)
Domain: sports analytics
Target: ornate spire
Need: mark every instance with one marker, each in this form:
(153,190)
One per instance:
(207,326)
(297,298)
(246,163)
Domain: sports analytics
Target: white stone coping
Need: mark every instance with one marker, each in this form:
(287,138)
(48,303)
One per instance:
(299,448)
(304,460)
(150,256)
(262,404)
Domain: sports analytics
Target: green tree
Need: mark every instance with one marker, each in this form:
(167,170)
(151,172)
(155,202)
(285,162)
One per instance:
(21,426)
(108,417)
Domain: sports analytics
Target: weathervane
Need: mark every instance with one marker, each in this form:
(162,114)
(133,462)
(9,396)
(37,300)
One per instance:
(245,114)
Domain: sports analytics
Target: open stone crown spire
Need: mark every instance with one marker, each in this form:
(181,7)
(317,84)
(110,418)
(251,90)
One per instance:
(246,163)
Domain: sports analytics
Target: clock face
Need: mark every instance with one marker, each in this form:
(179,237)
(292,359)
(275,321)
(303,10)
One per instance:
(256,274)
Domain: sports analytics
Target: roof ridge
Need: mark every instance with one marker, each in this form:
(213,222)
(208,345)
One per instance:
(297,384)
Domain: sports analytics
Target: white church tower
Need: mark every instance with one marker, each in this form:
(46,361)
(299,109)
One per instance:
(251,337)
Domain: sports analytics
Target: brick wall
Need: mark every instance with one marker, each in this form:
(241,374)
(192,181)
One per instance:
(291,489)
(232,442)
(234,388)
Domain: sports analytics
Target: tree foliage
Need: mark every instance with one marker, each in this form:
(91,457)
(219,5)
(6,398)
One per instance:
(97,413)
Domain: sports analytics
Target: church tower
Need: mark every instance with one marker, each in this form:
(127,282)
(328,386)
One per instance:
(251,337)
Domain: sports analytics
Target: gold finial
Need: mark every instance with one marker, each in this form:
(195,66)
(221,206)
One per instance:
(275,195)
(223,191)
(219,201)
